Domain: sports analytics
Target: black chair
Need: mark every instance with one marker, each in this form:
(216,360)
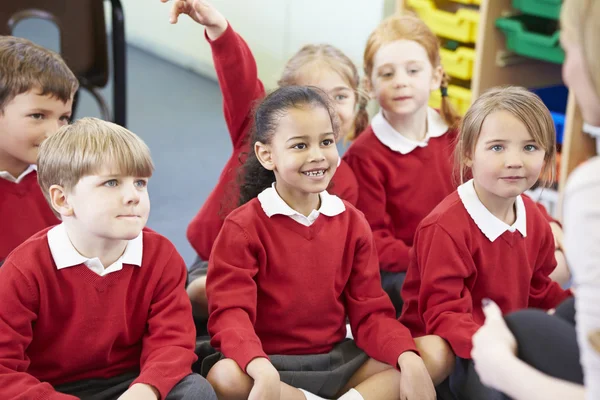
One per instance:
(83,43)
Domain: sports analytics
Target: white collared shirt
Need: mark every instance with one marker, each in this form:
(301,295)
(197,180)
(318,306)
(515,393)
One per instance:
(393,139)
(65,255)
(272,204)
(8,176)
(490,225)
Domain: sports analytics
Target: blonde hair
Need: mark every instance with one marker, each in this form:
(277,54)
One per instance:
(25,65)
(86,146)
(580,23)
(524,105)
(410,27)
(335,59)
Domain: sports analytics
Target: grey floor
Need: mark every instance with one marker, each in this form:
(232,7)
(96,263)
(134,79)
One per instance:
(178,113)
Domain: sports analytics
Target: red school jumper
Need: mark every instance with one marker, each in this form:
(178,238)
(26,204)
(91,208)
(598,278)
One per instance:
(23,212)
(241,89)
(278,287)
(60,326)
(396,191)
(454,266)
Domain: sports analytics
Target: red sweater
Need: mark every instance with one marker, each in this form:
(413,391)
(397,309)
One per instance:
(454,266)
(278,287)
(241,89)
(396,191)
(59,326)
(23,212)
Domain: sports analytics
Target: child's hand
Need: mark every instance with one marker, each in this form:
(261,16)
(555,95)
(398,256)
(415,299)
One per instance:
(266,380)
(140,391)
(203,13)
(415,382)
(493,345)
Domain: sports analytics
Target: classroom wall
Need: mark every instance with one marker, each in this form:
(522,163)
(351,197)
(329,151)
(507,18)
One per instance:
(274,29)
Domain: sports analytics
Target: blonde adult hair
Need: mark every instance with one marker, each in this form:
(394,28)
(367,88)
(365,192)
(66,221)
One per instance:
(84,148)
(25,66)
(318,55)
(409,27)
(524,105)
(580,23)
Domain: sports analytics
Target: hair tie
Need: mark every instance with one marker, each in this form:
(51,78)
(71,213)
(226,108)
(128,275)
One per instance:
(444,91)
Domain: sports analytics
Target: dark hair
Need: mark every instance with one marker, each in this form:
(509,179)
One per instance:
(25,65)
(253,177)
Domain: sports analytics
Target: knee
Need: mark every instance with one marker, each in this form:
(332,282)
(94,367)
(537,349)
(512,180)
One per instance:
(196,291)
(437,356)
(229,381)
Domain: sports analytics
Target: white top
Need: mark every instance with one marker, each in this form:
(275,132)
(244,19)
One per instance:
(393,139)
(581,214)
(272,204)
(490,225)
(65,255)
(8,176)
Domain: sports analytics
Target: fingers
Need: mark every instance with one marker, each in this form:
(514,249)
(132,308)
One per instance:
(179,7)
(491,309)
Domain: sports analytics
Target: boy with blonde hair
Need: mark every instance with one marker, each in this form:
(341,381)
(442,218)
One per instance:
(96,307)
(36,96)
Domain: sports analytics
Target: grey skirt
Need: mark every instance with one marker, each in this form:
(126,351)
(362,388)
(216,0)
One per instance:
(322,374)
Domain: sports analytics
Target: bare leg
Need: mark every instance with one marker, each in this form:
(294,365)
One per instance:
(437,356)
(196,291)
(231,383)
(369,368)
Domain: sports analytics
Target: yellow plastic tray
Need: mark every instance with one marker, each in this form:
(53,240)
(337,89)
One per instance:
(476,2)
(460,26)
(458,63)
(459,97)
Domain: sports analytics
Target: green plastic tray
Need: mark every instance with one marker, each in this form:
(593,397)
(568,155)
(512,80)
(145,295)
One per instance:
(532,37)
(540,8)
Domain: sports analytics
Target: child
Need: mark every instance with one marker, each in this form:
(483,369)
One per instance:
(290,264)
(534,377)
(403,161)
(95,307)
(485,240)
(36,95)
(323,66)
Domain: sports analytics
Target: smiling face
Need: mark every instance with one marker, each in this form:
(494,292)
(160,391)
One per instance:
(403,78)
(25,123)
(302,153)
(506,160)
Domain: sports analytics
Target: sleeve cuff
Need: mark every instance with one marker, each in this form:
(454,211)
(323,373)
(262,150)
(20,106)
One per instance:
(246,352)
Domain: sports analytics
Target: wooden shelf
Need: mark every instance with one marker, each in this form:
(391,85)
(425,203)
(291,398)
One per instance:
(495,66)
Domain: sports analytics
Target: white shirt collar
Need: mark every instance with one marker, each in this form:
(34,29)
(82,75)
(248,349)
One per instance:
(8,176)
(65,255)
(393,139)
(272,204)
(491,226)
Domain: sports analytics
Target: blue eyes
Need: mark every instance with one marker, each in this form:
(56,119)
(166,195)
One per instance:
(528,148)
(140,183)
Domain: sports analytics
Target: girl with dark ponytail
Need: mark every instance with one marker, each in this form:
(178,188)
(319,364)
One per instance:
(290,264)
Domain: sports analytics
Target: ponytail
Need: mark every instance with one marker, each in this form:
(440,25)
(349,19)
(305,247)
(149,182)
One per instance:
(447,111)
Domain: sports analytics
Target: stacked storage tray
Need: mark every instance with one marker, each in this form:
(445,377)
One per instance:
(460,98)
(532,37)
(460,26)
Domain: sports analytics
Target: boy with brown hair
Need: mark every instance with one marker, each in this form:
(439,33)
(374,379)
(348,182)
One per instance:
(96,307)
(36,96)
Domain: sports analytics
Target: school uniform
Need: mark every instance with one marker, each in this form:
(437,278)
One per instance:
(241,90)
(400,181)
(67,323)
(281,284)
(23,209)
(463,254)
